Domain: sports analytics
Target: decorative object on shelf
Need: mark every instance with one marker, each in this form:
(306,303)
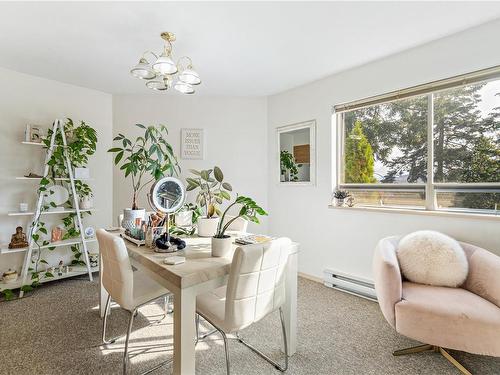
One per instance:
(33,175)
(296,145)
(56,234)
(57,195)
(340,197)
(147,156)
(60,269)
(89,232)
(33,133)
(161,73)
(94,260)
(212,192)
(167,196)
(18,239)
(350,201)
(82,173)
(10,276)
(221,242)
(23,207)
(86,202)
(192,144)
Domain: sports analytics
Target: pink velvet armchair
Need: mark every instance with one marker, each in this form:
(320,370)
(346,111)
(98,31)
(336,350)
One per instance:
(465,318)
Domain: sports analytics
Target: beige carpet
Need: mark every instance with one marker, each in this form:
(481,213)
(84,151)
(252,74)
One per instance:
(56,330)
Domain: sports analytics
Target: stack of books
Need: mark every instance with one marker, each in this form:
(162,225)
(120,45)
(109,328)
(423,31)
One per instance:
(253,238)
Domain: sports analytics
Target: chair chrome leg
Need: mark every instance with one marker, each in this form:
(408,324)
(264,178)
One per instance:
(226,349)
(129,330)
(105,320)
(170,303)
(197,328)
(285,346)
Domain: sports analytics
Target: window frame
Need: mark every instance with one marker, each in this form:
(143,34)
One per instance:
(430,188)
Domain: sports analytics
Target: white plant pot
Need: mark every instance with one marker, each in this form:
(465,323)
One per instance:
(129,217)
(86,202)
(221,247)
(207,227)
(339,202)
(184,218)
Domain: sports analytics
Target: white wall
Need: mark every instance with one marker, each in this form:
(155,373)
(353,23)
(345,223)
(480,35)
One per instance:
(25,100)
(345,240)
(235,139)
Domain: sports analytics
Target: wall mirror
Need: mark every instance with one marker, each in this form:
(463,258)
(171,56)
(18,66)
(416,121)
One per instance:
(297,153)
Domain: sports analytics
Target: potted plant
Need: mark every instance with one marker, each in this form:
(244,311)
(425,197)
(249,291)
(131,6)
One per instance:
(340,196)
(289,169)
(85,195)
(147,158)
(187,215)
(221,242)
(213,190)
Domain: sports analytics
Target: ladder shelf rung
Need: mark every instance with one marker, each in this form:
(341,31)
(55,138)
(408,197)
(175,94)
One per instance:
(49,212)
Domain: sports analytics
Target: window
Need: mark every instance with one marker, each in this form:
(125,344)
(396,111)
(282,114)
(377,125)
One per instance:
(434,147)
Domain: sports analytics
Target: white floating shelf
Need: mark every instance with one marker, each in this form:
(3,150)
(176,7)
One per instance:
(77,271)
(4,249)
(57,178)
(69,242)
(32,143)
(49,212)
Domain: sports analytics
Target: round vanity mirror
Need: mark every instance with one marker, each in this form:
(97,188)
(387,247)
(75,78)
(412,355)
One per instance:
(167,194)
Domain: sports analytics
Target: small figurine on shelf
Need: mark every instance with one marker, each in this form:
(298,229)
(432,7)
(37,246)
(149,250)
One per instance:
(57,234)
(60,269)
(18,239)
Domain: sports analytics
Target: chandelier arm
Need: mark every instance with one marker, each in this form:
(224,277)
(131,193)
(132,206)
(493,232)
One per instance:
(151,53)
(189,66)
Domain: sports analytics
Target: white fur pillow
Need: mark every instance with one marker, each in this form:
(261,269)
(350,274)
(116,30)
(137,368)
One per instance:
(432,258)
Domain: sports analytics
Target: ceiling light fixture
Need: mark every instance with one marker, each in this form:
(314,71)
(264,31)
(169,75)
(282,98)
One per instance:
(161,73)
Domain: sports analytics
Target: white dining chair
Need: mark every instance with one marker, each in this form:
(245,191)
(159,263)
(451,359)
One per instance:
(256,288)
(128,288)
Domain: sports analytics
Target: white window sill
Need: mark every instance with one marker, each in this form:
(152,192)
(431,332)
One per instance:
(408,211)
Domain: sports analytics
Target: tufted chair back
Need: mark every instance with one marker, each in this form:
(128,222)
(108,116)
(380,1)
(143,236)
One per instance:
(117,274)
(256,283)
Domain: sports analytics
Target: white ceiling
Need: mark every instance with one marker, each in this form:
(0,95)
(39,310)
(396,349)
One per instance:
(239,48)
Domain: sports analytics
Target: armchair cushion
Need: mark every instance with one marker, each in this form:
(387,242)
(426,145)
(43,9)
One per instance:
(449,317)
(432,258)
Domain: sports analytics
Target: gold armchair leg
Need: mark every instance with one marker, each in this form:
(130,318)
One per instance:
(443,352)
(454,362)
(414,349)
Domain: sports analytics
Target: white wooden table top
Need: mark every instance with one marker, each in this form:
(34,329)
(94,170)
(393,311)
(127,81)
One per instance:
(199,266)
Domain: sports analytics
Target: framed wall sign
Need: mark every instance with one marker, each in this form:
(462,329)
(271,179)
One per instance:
(192,144)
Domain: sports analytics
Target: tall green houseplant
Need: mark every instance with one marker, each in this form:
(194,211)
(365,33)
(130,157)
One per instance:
(145,159)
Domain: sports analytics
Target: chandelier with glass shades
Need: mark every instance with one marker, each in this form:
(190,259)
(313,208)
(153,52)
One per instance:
(163,72)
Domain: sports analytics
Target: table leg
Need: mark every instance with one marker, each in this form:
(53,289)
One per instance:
(184,331)
(290,307)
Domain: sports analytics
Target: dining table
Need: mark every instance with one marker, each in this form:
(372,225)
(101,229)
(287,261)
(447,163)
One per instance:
(201,273)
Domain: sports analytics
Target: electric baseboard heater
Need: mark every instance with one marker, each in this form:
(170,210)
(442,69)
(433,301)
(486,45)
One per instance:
(350,284)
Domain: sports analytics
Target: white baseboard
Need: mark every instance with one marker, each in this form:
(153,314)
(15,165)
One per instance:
(310,277)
